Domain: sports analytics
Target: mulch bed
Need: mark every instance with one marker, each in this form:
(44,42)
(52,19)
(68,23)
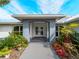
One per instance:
(15,54)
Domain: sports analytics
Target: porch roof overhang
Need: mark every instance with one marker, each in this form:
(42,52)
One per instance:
(10,23)
(67,20)
(22,17)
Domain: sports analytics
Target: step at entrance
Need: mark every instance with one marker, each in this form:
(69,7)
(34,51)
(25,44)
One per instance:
(39,39)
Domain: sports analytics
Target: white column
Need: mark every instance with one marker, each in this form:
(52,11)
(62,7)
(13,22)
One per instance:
(52,30)
(26,29)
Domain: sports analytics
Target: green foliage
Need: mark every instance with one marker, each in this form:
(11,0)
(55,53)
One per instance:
(4,51)
(61,38)
(4,2)
(1,44)
(12,41)
(75,38)
(9,42)
(20,41)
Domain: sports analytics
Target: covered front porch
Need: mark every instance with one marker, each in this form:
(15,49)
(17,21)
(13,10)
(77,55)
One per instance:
(39,26)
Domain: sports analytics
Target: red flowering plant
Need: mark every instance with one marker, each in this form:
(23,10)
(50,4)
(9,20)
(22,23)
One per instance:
(60,51)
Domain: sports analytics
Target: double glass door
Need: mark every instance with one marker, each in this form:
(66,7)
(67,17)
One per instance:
(40,30)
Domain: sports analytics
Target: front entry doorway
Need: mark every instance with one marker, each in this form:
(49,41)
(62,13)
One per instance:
(39,31)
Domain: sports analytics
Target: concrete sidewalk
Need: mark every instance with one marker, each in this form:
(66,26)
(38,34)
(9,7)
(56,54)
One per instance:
(38,50)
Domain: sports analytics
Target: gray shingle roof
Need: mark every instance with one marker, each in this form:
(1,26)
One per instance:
(7,19)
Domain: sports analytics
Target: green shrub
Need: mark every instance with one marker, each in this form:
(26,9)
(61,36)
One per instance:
(61,39)
(9,42)
(13,41)
(1,44)
(4,51)
(20,41)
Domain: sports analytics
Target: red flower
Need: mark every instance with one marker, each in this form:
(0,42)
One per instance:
(60,52)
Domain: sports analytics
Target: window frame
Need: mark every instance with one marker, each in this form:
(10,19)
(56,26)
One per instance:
(57,31)
(20,29)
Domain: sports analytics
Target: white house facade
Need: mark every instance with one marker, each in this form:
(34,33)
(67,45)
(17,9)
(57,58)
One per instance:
(6,28)
(7,23)
(39,27)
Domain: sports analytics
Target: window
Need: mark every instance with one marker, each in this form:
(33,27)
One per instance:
(36,30)
(21,28)
(57,30)
(56,33)
(41,30)
(56,27)
(18,30)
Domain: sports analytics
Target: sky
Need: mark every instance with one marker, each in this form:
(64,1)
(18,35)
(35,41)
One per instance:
(66,7)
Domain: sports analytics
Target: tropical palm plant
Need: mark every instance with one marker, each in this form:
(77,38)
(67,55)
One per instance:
(4,2)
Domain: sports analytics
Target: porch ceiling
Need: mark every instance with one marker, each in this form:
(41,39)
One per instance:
(37,16)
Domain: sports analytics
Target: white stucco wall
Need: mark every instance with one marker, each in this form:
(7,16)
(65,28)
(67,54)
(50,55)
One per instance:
(26,29)
(5,30)
(52,30)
